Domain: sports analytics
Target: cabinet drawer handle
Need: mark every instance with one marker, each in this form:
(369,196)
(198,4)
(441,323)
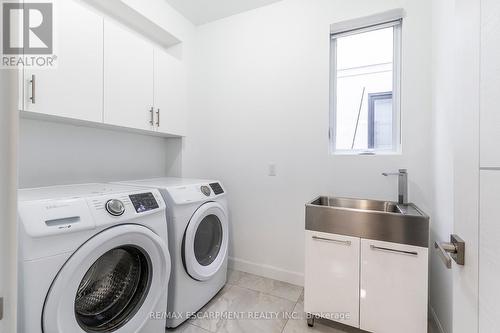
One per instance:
(373,247)
(33,89)
(348,243)
(152,120)
(158,117)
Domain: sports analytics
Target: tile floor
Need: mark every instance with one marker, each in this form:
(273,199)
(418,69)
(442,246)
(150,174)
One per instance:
(248,293)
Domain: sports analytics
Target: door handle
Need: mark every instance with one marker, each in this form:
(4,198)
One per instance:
(455,250)
(33,89)
(158,117)
(152,112)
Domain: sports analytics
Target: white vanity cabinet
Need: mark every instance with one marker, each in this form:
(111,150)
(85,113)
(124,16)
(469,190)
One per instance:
(332,277)
(128,78)
(73,89)
(393,287)
(376,286)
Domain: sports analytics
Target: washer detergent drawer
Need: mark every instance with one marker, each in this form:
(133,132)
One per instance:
(46,218)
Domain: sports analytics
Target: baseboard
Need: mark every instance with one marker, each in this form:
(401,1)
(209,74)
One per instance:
(436,320)
(267,271)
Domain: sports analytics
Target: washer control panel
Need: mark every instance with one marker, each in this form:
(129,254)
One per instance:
(123,207)
(74,213)
(143,202)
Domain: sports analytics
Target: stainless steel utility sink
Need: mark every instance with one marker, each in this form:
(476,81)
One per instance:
(370,219)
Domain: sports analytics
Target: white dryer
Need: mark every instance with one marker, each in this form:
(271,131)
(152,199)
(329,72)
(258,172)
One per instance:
(93,258)
(197,218)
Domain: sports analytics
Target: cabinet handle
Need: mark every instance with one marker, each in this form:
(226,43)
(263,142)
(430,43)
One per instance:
(152,112)
(412,253)
(158,117)
(348,243)
(33,89)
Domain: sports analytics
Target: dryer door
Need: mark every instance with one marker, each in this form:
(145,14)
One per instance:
(111,282)
(205,242)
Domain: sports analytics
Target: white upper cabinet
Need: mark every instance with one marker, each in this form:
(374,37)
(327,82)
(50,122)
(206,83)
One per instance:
(332,277)
(74,88)
(106,73)
(490,83)
(393,287)
(170,97)
(128,78)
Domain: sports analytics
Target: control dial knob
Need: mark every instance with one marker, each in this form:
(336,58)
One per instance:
(115,207)
(206,190)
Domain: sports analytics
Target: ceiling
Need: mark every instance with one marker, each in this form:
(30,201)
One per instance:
(204,11)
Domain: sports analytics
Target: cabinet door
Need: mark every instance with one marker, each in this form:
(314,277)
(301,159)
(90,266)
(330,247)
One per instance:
(393,287)
(128,78)
(332,277)
(490,83)
(170,94)
(74,88)
(489,252)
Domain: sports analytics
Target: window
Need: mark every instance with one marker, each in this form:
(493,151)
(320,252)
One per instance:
(365,90)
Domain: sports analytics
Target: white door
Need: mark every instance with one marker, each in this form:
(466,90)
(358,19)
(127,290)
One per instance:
(128,78)
(489,231)
(465,124)
(387,303)
(476,126)
(113,281)
(8,188)
(490,83)
(332,277)
(206,242)
(74,88)
(170,90)
(489,291)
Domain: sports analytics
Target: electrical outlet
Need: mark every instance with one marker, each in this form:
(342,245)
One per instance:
(272,170)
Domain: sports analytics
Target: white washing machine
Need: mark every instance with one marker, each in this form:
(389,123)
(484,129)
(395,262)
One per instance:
(197,218)
(93,258)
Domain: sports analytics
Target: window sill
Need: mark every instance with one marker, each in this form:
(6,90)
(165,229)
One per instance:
(366,153)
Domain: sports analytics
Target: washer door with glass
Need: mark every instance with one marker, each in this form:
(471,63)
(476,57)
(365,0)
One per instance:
(205,243)
(110,284)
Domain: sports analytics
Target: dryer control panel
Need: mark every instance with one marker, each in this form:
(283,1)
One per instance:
(217,188)
(195,192)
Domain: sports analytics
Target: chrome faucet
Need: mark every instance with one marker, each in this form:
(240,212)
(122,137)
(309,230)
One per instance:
(402,185)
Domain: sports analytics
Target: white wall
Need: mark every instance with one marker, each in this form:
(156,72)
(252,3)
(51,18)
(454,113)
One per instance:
(443,69)
(8,197)
(261,87)
(52,154)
